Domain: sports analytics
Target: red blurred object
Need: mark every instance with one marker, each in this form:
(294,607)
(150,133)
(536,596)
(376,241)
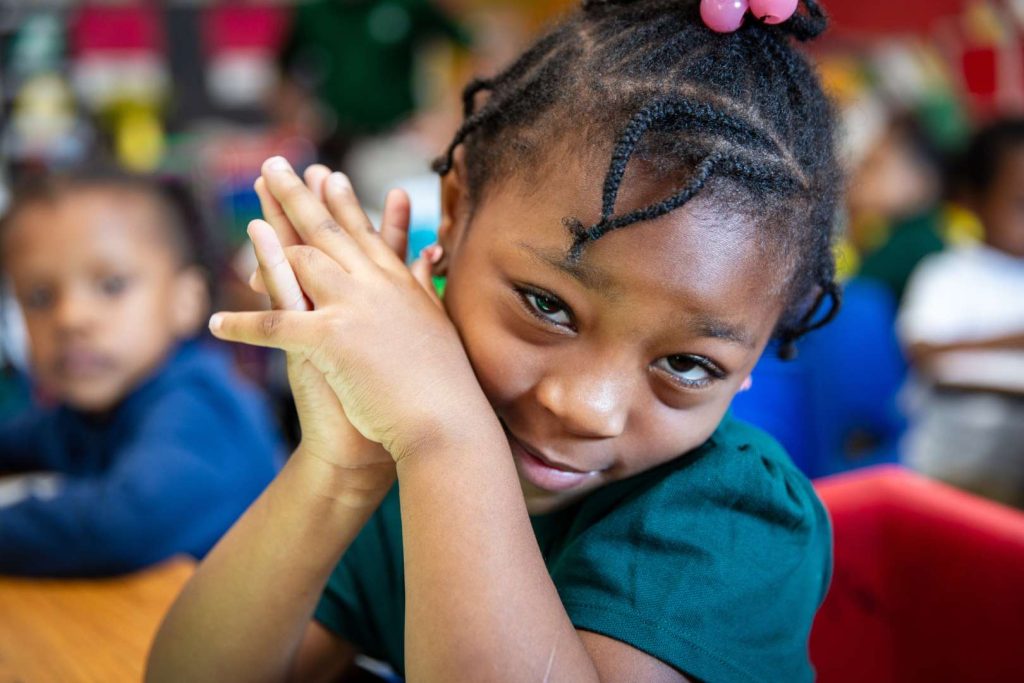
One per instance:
(238,26)
(886,16)
(980,69)
(928,583)
(125,28)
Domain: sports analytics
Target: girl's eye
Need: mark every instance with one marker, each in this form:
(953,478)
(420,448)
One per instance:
(39,298)
(113,285)
(691,371)
(546,307)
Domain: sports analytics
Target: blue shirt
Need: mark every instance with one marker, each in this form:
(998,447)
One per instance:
(166,472)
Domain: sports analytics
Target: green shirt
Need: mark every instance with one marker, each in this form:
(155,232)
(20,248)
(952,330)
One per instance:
(714,563)
(910,242)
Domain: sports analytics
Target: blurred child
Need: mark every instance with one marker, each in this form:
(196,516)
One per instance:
(963,325)
(631,211)
(897,192)
(150,443)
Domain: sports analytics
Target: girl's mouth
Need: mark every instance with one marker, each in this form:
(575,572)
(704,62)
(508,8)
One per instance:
(543,473)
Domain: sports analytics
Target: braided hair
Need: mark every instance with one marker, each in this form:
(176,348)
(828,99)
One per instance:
(739,113)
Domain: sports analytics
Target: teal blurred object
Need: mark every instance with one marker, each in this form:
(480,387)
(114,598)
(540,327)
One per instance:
(15,395)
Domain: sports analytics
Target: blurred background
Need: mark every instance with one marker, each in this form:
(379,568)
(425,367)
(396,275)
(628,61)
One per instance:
(924,366)
(204,90)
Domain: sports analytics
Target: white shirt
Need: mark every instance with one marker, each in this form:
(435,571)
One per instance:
(963,295)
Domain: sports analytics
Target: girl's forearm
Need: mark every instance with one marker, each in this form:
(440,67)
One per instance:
(480,604)
(244,612)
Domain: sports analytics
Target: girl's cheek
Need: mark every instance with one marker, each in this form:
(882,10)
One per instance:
(504,366)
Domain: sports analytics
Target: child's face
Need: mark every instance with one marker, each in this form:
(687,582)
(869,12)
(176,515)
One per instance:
(1001,209)
(103,297)
(598,372)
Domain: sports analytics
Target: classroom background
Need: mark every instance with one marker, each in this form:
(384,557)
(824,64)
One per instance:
(929,581)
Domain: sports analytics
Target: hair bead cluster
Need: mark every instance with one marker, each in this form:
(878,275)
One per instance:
(726,16)
(739,116)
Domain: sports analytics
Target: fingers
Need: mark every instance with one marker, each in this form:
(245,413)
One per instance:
(274,214)
(308,215)
(287,330)
(317,274)
(394,226)
(422,268)
(275,272)
(315,176)
(256,283)
(344,206)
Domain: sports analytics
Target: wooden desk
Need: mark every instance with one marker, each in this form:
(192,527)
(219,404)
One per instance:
(88,631)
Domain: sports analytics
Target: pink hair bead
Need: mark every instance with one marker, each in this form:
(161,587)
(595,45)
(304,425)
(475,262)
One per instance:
(773,11)
(723,16)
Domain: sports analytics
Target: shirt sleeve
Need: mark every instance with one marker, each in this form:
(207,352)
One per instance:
(936,306)
(176,485)
(717,569)
(21,444)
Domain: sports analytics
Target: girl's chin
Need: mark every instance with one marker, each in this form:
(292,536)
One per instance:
(541,502)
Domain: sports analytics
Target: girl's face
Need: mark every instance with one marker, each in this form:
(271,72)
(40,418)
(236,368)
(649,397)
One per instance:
(627,360)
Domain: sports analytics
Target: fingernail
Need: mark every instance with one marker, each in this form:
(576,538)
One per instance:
(216,320)
(338,182)
(277,164)
(433,253)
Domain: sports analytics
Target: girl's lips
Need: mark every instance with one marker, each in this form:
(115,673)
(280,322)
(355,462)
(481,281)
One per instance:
(543,474)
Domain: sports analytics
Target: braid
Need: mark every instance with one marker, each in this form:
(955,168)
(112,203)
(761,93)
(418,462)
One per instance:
(469,94)
(787,339)
(715,122)
(493,108)
(444,163)
(807,26)
(744,109)
(584,235)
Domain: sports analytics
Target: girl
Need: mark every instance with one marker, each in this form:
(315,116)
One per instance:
(631,212)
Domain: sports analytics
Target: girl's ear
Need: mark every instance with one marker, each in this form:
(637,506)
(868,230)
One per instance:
(455,208)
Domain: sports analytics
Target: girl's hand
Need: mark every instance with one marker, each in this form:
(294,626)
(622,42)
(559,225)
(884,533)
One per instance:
(326,431)
(377,333)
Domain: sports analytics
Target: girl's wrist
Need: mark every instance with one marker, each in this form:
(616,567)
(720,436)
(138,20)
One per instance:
(355,487)
(466,426)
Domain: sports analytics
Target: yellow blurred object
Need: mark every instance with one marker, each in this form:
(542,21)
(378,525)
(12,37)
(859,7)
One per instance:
(843,78)
(43,112)
(985,24)
(139,140)
(538,13)
(847,260)
(961,225)
(868,231)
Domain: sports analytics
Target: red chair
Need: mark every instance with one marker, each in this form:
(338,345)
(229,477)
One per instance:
(928,583)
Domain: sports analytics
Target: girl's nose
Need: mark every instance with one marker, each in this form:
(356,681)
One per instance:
(587,404)
(73,312)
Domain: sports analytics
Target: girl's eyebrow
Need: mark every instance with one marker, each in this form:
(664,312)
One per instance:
(708,326)
(588,275)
